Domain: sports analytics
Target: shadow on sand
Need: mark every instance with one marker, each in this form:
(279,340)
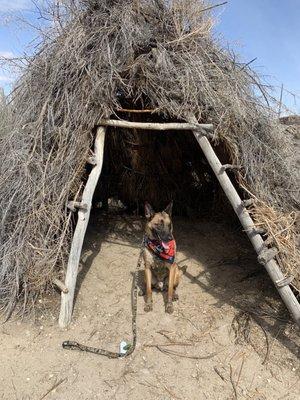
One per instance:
(238,281)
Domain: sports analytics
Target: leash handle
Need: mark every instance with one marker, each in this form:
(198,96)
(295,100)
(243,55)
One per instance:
(71,345)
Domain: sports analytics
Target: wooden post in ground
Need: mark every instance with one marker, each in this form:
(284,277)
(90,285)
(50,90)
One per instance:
(247,222)
(67,299)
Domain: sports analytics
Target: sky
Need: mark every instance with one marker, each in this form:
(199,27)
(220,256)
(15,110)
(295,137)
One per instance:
(267,30)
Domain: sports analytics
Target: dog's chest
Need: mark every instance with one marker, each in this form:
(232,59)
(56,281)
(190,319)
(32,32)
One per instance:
(158,266)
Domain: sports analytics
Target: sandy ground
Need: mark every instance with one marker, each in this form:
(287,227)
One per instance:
(219,353)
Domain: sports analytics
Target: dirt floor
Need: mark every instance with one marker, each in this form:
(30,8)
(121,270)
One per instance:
(229,336)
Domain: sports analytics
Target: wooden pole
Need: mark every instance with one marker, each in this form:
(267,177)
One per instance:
(155,126)
(271,265)
(67,299)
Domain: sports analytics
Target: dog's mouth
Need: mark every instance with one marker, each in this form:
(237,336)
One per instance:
(163,237)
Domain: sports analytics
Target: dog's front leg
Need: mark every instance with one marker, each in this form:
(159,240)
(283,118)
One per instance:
(169,307)
(148,279)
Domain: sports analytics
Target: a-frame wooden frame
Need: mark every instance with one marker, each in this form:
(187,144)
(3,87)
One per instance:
(201,132)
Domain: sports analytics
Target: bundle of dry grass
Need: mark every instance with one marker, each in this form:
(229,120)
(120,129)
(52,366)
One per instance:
(100,56)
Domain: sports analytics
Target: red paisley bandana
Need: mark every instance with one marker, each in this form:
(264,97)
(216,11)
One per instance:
(163,250)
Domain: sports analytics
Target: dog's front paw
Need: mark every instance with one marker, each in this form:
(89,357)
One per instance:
(169,308)
(148,307)
(175,297)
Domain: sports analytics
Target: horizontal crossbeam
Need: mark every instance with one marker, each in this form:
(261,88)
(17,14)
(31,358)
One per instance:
(155,126)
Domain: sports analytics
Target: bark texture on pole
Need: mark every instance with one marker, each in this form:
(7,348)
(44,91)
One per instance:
(247,222)
(67,299)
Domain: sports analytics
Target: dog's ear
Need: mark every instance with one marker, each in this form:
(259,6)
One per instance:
(168,209)
(149,212)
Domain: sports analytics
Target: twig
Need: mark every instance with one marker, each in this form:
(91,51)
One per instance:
(240,371)
(232,382)
(53,387)
(214,6)
(175,353)
(248,63)
(219,373)
(169,344)
(165,334)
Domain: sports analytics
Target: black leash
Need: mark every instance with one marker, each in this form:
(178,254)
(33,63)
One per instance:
(71,345)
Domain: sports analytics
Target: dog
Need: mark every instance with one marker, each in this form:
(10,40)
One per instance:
(161,270)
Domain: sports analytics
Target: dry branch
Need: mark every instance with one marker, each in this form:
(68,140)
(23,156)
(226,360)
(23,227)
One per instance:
(154,126)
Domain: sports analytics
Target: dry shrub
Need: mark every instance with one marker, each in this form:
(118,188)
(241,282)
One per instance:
(96,57)
(281,232)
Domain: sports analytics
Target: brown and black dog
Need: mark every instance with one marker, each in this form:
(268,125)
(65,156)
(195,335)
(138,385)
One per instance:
(161,270)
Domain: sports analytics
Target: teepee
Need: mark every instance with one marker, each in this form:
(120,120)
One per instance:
(107,76)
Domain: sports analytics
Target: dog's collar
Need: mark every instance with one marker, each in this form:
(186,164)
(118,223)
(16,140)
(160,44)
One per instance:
(164,250)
